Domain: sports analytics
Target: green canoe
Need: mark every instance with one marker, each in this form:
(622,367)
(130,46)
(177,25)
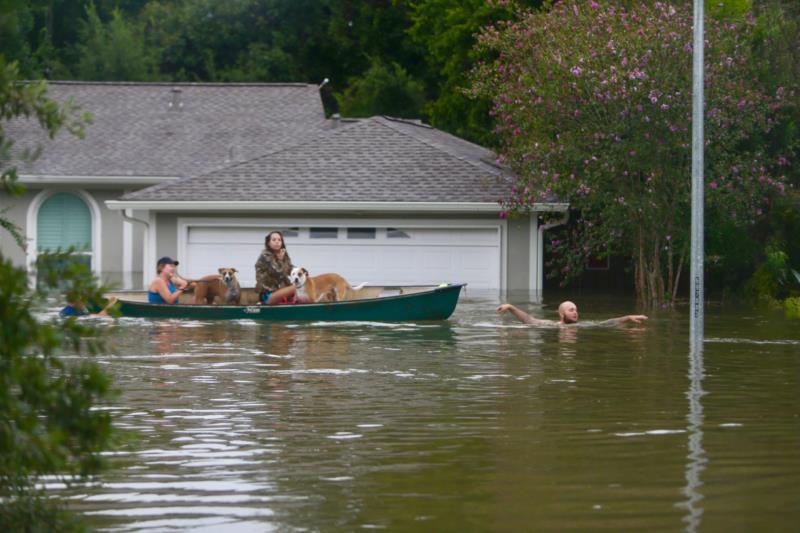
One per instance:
(384,304)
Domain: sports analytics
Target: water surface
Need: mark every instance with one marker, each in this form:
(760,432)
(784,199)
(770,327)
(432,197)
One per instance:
(473,424)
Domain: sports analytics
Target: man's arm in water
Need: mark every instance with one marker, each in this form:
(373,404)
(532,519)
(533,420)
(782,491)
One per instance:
(522,316)
(636,319)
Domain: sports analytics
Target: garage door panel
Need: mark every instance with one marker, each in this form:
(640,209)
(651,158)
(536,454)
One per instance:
(319,259)
(437,259)
(475,259)
(429,256)
(471,236)
(223,235)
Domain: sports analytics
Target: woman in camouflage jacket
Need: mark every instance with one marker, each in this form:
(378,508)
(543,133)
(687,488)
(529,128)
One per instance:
(272,272)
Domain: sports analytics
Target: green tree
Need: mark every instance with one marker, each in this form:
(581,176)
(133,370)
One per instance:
(47,422)
(593,104)
(16,22)
(363,32)
(263,40)
(113,51)
(776,47)
(447,32)
(383,91)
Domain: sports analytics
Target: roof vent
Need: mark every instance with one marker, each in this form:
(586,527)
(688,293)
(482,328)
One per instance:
(335,120)
(176,100)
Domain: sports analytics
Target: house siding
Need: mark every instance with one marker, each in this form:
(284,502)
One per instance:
(518,265)
(110,223)
(16,214)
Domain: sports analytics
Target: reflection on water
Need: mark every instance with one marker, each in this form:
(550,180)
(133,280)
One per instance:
(697,455)
(476,423)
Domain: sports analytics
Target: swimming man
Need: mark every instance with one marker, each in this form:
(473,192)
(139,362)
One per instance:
(567,314)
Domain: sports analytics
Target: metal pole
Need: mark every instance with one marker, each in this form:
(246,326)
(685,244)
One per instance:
(698,251)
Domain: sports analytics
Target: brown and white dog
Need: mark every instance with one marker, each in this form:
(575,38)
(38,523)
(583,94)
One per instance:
(224,286)
(323,288)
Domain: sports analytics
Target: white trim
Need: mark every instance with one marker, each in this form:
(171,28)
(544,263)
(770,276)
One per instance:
(534,259)
(50,179)
(31,230)
(149,259)
(305,207)
(503,254)
(184,223)
(127,255)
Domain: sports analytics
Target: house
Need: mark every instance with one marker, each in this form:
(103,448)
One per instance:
(380,200)
(141,134)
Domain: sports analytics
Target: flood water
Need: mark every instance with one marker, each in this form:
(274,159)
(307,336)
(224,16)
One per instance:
(472,424)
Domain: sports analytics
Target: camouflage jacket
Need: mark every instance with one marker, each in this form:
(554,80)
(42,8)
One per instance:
(272,273)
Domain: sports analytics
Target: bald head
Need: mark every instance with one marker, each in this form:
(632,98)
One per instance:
(568,312)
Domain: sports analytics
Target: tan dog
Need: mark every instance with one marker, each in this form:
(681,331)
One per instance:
(323,288)
(222,288)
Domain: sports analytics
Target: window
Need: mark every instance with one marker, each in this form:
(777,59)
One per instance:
(360,233)
(64,221)
(323,233)
(394,233)
(289,233)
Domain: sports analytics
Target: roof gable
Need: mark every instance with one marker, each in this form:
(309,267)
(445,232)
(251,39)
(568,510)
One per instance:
(177,130)
(361,160)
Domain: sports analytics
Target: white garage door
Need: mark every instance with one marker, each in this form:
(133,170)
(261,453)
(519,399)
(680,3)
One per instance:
(377,255)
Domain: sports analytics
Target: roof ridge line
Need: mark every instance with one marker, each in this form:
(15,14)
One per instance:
(410,121)
(314,138)
(173,83)
(436,146)
(225,166)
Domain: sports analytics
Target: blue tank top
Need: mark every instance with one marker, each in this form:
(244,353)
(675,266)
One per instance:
(155,298)
(71,310)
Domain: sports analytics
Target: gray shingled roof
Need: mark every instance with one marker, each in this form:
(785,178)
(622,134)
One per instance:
(366,160)
(136,132)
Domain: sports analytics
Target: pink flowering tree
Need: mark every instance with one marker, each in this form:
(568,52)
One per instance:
(593,104)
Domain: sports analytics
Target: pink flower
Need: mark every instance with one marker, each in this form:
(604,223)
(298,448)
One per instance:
(576,70)
(712,185)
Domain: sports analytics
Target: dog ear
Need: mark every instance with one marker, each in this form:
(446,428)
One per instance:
(234,270)
(220,269)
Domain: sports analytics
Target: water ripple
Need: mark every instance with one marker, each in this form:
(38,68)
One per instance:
(452,425)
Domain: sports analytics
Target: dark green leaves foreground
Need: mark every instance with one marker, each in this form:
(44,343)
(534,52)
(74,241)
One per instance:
(47,422)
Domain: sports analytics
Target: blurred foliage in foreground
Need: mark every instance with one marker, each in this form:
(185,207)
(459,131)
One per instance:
(49,424)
